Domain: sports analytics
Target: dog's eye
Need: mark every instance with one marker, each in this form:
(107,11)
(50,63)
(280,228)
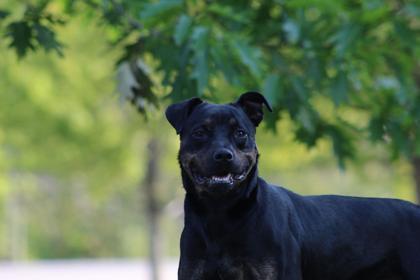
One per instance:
(199,133)
(240,133)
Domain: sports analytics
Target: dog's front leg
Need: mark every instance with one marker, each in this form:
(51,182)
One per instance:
(191,270)
(294,274)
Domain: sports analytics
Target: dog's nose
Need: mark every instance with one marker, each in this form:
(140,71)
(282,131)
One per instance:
(223,155)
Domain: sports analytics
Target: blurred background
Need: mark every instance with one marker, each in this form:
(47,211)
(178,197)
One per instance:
(89,181)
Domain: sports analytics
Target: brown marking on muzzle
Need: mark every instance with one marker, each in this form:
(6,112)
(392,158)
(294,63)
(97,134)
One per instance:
(186,158)
(251,157)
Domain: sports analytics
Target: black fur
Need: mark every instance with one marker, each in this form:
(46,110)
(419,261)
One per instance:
(237,226)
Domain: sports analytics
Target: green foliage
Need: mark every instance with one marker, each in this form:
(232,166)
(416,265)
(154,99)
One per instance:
(3,14)
(21,34)
(34,30)
(360,54)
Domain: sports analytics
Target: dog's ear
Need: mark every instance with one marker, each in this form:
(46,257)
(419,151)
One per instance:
(252,103)
(178,113)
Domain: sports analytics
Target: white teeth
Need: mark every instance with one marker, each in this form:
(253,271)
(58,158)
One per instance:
(227,179)
(222,179)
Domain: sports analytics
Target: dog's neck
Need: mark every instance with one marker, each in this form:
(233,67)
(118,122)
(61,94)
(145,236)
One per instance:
(218,218)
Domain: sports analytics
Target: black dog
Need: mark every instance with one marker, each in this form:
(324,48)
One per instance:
(237,226)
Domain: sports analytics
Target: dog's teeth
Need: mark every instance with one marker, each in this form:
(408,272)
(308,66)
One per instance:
(224,179)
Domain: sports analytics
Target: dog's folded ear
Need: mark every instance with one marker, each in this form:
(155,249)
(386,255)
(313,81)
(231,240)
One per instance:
(178,113)
(252,103)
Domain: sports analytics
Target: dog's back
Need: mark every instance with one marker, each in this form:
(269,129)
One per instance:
(345,237)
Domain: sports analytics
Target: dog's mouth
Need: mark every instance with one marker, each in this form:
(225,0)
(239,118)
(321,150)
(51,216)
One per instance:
(228,178)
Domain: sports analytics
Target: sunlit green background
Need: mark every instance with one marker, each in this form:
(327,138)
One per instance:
(73,155)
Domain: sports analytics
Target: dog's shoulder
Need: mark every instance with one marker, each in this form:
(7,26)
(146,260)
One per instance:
(278,195)
(273,193)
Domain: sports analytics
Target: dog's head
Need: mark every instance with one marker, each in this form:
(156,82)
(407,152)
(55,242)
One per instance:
(218,150)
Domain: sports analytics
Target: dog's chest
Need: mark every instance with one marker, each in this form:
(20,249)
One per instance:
(231,268)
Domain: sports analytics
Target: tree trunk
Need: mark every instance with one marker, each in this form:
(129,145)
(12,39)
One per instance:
(15,222)
(416,159)
(416,174)
(153,211)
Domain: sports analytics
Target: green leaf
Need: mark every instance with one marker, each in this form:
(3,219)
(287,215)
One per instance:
(315,71)
(227,12)
(221,59)
(300,88)
(142,92)
(271,88)
(400,142)
(200,38)
(46,38)
(374,11)
(113,16)
(306,119)
(272,118)
(339,88)
(372,5)
(309,138)
(181,29)
(417,133)
(158,9)
(376,129)
(4,14)
(406,35)
(342,144)
(345,37)
(402,94)
(200,66)
(21,34)
(248,55)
